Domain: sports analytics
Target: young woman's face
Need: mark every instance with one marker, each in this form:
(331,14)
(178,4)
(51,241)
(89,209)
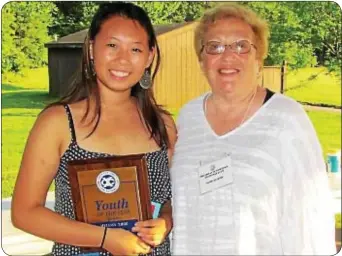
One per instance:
(121,53)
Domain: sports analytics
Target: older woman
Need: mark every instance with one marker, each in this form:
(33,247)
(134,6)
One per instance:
(248,173)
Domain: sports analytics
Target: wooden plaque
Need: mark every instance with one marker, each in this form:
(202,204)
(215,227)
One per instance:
(111,192)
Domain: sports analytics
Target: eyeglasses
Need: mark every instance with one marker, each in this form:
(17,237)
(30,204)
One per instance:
(239,47)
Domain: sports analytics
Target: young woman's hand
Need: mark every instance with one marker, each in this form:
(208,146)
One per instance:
(153,231)
(121,242)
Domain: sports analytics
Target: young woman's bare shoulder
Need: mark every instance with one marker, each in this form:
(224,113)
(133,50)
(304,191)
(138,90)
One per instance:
(58,116)
(53,115)
(78,110)
(52,120)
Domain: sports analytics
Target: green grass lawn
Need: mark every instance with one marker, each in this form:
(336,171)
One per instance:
(22,100)
(23,97)
(314,85)
(37,79)
(328,128)
(338,220)
(16,124)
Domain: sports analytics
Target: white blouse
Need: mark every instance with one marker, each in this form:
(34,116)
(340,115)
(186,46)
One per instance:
(279,202)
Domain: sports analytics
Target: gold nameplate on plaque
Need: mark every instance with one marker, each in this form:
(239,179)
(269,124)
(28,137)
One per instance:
(110,192)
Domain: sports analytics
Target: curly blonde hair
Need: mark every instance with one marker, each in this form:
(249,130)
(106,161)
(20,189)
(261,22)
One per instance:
(232,10)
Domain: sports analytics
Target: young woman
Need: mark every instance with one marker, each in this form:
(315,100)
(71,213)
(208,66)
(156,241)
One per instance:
(110,111)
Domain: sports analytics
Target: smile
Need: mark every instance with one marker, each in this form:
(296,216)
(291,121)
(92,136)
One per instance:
(229,71)
(120,74)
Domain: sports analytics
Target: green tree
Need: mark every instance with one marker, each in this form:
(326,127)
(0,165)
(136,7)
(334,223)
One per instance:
(24,32)
(7,35)
(303,33)
(286,40)
(321,22)
(174,12)
(70,17)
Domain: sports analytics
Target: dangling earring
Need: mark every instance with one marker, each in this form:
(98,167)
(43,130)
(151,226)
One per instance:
(92,67)
(90,56)
(146,81)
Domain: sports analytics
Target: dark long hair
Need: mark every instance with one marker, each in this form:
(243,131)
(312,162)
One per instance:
(85,83)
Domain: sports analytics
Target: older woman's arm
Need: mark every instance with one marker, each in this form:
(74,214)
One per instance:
(308,219)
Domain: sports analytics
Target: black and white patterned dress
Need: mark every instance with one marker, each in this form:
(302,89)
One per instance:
(158,174)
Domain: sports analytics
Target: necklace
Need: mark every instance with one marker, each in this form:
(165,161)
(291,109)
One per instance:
(246,111)
(248,107)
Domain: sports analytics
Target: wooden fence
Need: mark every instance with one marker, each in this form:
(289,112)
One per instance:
(174,89)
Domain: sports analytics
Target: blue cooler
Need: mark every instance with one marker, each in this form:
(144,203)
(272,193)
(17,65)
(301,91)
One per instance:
(334,164)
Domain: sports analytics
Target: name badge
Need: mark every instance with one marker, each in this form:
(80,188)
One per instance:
(215,175)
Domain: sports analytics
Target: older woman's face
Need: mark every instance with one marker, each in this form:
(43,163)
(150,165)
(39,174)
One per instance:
(230,72)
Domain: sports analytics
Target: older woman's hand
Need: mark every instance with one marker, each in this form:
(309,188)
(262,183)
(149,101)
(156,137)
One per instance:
(152,232)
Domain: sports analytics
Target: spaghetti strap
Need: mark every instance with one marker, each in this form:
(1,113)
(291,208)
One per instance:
(164,146)
(71,123)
